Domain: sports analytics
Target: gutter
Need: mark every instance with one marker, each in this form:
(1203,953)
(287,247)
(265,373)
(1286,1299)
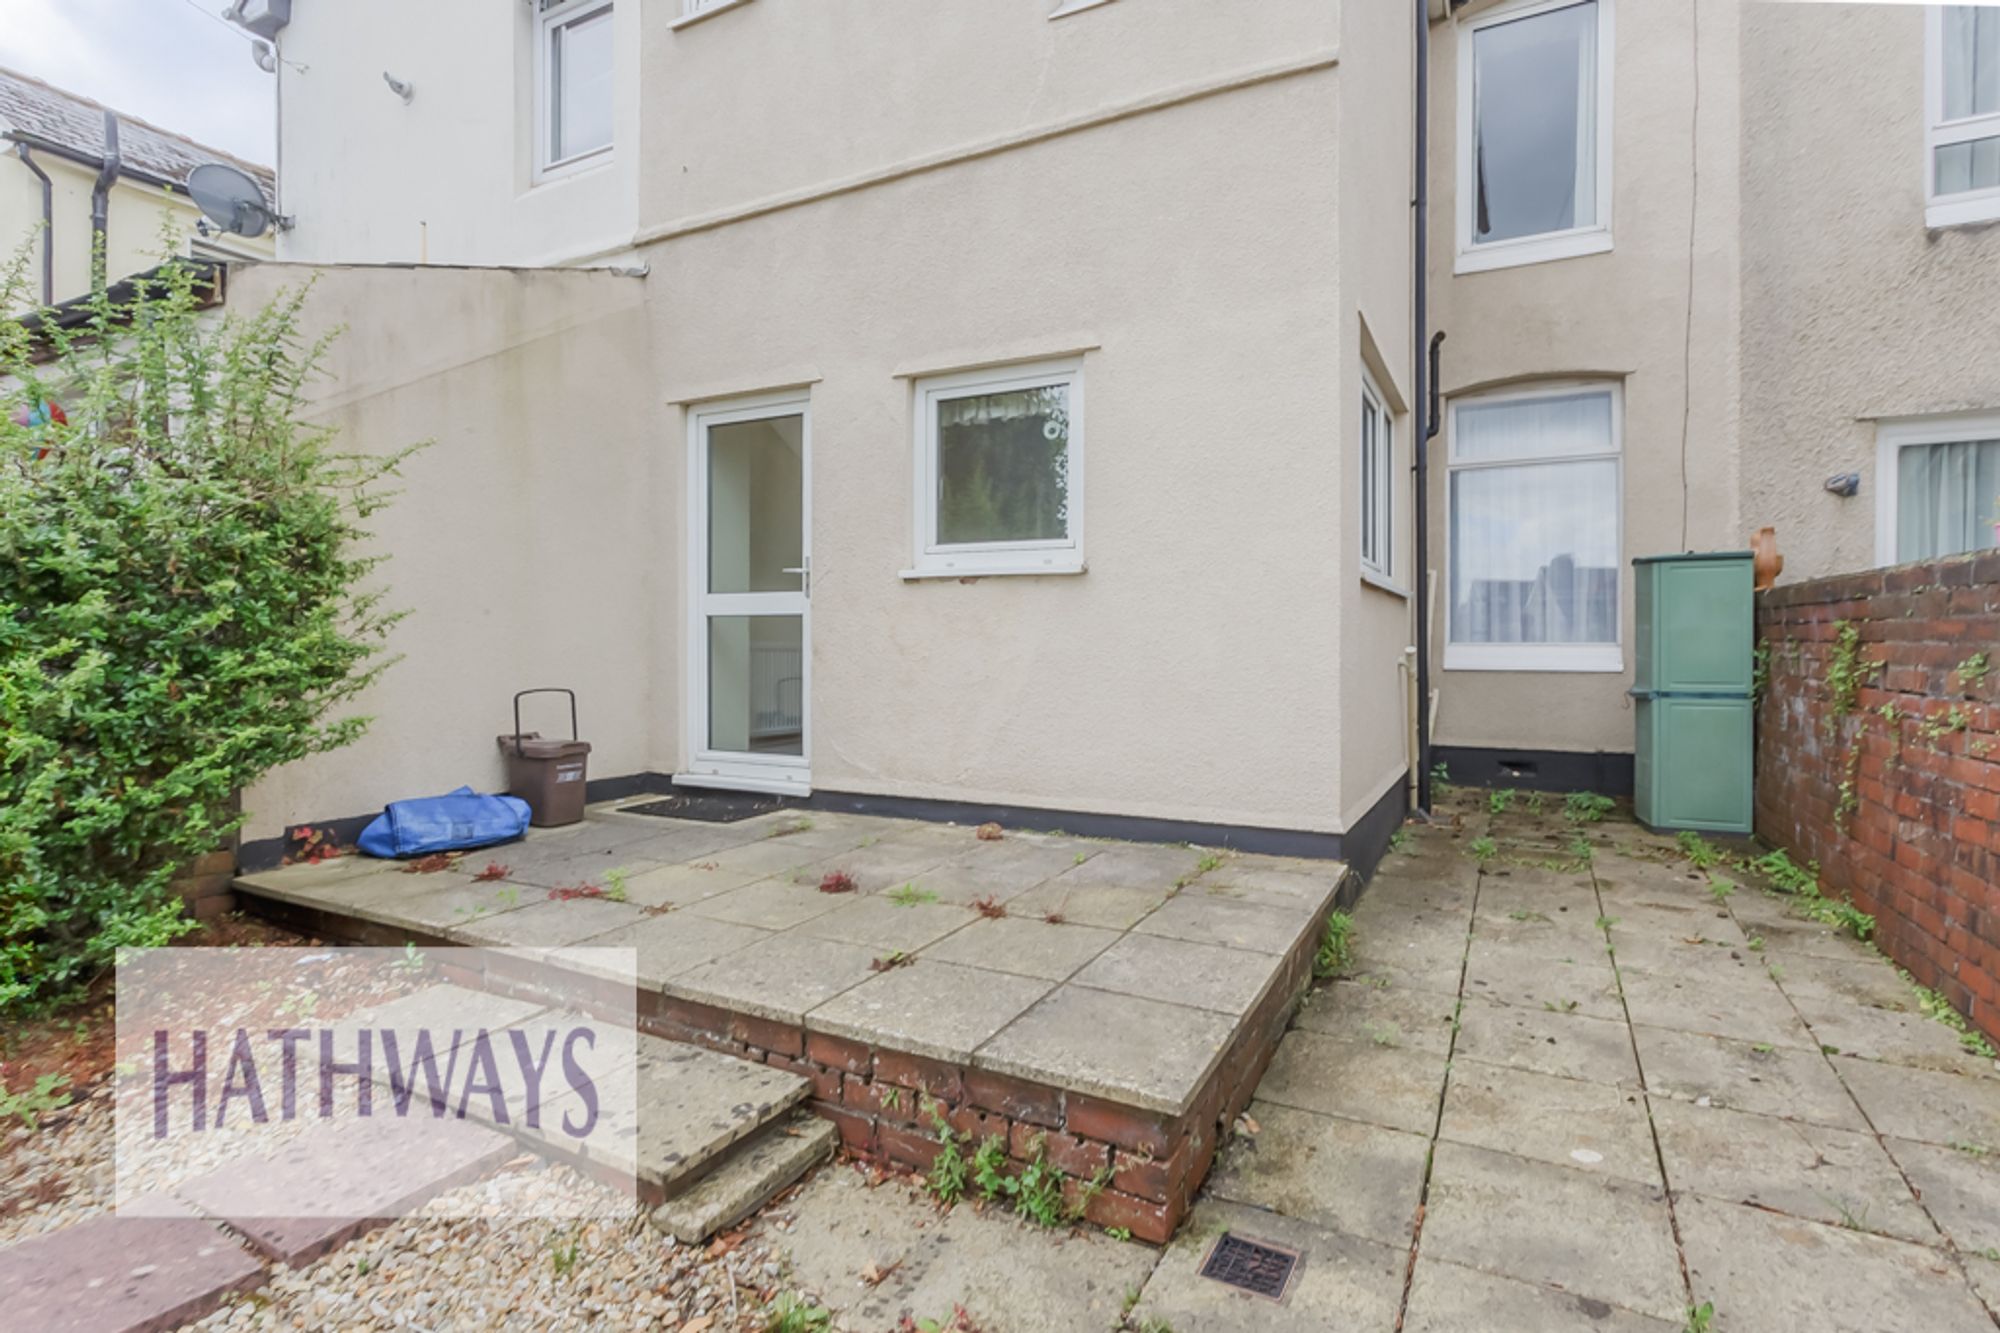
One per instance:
(100,203)
(22,151)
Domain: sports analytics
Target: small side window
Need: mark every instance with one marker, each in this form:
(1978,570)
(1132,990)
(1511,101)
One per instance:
(1378,483)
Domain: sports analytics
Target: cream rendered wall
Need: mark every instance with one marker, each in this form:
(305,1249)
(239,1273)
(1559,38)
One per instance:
(777,97)
(1375,246)
(133,229)
(1853,309)
(1194,251)
(1657,313)
(447,177)
(528,542)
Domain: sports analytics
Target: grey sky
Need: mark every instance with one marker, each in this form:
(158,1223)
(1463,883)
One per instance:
(171,62)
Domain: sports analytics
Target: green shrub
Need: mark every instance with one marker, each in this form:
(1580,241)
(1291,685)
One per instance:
(179,610)
(1336,946)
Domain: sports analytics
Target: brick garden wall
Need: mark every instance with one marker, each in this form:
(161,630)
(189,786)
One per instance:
(1878,756)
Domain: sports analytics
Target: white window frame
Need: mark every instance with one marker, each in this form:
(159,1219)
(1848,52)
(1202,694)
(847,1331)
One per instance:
(1380,500)
(1892,437)
(983,559)
(694,11)
(1578,657)
(1589,240)
(547,22)
(1951,210)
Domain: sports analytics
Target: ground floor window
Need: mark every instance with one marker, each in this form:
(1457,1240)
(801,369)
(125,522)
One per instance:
(1535,499)
(1938,480)
(1000,470)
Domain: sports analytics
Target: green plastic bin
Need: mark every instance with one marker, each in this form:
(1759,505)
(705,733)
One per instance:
(1692,691)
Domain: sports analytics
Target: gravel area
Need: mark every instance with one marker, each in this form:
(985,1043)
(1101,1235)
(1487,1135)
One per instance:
(60,1173)
(430,1271)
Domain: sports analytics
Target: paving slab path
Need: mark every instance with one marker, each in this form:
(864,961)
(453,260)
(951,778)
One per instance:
(1604,1091)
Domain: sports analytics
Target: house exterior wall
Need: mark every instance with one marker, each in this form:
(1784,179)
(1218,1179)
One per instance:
(1192,672)
(446,178)
(1375,236)
(134,240)
(1657,314)
(1853,310)
(525,541)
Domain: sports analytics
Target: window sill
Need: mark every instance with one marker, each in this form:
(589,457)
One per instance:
(1059,568)
(1955,212)
(1382,583)
(1077,7)
(572,168)
(689,20)
(1533,250)
(1606,659)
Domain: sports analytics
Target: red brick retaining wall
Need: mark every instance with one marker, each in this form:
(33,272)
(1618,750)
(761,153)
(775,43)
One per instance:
(1893,786)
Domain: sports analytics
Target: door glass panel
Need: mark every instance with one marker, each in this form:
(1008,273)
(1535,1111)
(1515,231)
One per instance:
(756,684)
(755,531)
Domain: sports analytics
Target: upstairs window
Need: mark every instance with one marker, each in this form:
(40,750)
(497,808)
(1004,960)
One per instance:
(1534,134)
(574,83)
(1962,142)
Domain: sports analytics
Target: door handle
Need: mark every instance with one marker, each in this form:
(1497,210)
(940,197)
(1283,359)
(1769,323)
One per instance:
(805,573)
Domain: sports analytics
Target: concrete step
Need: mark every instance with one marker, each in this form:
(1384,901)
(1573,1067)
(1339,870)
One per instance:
(753,1173)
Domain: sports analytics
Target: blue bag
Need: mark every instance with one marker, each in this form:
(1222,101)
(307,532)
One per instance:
(444,824)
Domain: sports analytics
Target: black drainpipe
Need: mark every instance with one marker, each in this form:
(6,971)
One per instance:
(1426,391)
(100,203)
(48,223)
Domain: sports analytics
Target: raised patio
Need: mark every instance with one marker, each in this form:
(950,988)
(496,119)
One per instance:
(1108,1004)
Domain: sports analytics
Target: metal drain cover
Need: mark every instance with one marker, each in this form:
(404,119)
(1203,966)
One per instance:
(709,807)
(1255,1266)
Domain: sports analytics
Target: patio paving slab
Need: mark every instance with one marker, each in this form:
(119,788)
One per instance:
(684,884)
(1750,1008)
(1023,946)
(1103,905)
(1532,979)
(1594,1235)
(1344,1284)
(1591,1127)
(678,942)
(1961,1190)
(444,908)
(1338,1174)
(1869,982)
(1241,881)
(1381,1085)
(1569,1044)
(1204,919)
(939,1010)
(1704,953)
(1127,865)
(1417,1019)
(550,924)
(1451,1298)
(779,857)
(350,1173)
(884,924)
(781,978)
(122,1274)
(882,866)
(1781,1081)
(1011,1278)
(1001,874)
(1156,967)
(769,904)
(1119,1047)
(1810,1171)
(1887,1035)
(1766,1271)
(1925,1104)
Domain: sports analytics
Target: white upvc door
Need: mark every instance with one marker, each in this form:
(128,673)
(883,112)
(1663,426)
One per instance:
(750,566)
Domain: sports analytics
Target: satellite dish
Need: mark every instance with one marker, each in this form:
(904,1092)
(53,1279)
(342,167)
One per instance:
(232,200)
